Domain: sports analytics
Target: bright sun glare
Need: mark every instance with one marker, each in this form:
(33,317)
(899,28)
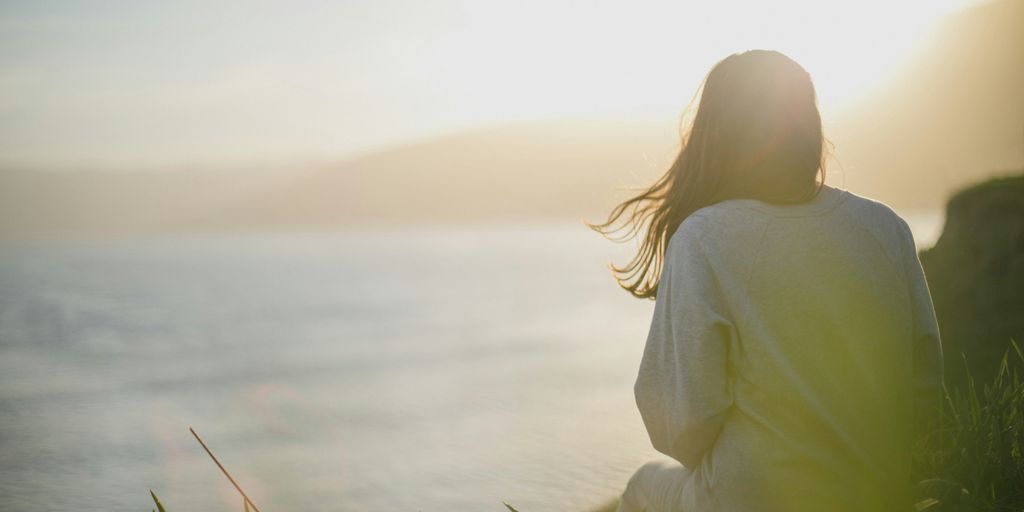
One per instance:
(859,44)
(652,56)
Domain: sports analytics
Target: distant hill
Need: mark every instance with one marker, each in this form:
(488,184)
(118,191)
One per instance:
(568,169)
(41,204)
(953,115)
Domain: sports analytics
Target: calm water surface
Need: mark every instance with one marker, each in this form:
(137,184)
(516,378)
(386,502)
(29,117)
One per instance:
(407,370)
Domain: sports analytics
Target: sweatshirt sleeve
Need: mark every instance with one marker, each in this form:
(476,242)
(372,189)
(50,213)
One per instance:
(927,347)
(682,389)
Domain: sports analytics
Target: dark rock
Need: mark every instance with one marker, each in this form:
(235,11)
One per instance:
(976,275)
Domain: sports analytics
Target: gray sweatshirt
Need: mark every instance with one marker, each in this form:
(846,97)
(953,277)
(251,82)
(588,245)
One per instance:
(788,350)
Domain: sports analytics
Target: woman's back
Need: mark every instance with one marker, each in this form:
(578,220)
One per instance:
(785,350)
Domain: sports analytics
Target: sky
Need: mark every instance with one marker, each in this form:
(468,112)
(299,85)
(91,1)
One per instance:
(138,85)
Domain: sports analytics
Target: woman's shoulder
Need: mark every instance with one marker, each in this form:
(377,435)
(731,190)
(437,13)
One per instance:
(699,224)
(879,215)
(719,229)
(871,206)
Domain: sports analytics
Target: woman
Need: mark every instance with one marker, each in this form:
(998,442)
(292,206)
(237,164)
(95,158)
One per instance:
(794,354)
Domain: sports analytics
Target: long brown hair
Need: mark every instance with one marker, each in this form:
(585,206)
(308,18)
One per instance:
(756,134)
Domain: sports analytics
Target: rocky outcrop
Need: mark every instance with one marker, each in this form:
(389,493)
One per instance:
(976,275)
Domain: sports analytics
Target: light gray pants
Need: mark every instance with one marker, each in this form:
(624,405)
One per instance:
(656,487)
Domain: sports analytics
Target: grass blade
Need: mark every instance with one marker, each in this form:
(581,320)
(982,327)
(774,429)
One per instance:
(225,471)
(156,500)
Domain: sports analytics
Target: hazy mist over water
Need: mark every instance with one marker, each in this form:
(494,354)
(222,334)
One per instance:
(432,369)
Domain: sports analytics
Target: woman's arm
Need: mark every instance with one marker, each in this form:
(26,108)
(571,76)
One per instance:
(682,390)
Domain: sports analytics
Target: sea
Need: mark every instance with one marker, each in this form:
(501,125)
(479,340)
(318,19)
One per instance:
(437,368)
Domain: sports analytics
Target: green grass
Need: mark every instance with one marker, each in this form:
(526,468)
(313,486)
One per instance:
(159,506)
(974,460)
